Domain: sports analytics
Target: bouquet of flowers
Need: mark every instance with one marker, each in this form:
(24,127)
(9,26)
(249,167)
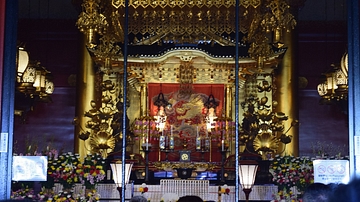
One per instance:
(224,190)
(91,172)
(23,193)
(289,172)
(284,196)
(45,194)
(143,189)
(90,196)
(65,196)
(63,169)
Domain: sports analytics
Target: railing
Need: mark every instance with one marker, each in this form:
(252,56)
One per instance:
(178,188)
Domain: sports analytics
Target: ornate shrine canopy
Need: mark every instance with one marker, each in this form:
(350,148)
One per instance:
(169,23)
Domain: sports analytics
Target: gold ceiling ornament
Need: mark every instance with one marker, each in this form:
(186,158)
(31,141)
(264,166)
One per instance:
(272,19)
(262,23)
(116,3)
(335,84)
(183,3)
(91,21)
(106,51)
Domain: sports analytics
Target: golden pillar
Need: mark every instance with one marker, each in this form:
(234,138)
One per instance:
(228,101)
(143,100)
(228,111)
(287,92)
(143,112)
(85,88)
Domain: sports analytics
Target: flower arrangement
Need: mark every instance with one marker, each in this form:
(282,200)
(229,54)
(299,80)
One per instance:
(224,190)
(23,193)
(63,169)
(90,196)
(65,196)
(284,196)
(45,194)
(91,172)
(289,172)
(53,156)
(143,188)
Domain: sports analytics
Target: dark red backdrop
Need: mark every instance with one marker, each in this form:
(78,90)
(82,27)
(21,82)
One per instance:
(187,123)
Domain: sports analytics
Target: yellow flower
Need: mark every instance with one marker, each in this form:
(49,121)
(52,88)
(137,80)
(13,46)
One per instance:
(141,189)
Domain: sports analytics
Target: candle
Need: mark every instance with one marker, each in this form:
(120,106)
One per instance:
(147,143)
(222,145)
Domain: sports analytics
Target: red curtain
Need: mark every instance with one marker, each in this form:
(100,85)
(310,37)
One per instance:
(170,92)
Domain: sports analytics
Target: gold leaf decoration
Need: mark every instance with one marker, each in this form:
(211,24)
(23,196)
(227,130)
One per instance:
(265,142)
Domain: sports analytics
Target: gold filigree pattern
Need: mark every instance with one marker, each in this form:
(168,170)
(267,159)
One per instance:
(90,21)
(168,166)
(186,72)
(188,21)
(183,3)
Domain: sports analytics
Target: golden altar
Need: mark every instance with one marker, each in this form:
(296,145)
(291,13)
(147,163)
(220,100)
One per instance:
(162,86)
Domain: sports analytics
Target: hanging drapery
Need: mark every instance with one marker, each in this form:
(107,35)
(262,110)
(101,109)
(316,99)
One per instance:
(186,116)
